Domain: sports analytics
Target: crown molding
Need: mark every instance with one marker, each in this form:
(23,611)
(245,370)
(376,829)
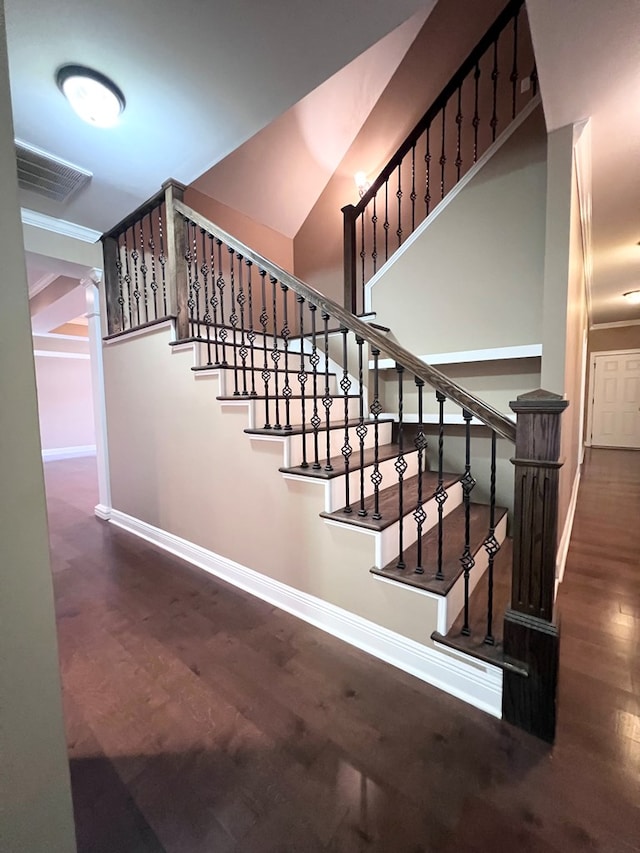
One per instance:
(44,281)
(59,226)
(617,325)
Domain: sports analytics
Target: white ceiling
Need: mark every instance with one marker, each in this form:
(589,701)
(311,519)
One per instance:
(588,56)
(200,78)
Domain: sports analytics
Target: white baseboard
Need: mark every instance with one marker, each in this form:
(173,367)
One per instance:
(472,681)
(102,511)
(565,539)
(56,453)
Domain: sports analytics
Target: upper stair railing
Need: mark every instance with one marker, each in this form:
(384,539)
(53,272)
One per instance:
(302,358)
(480,100)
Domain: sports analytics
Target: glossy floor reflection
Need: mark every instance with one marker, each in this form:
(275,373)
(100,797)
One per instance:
(201,720)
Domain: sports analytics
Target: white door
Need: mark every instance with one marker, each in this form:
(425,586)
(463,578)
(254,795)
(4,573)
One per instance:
(616,400)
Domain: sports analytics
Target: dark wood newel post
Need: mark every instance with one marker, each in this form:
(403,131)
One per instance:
(350,295)
(176,268)
(530,632)
(111,285)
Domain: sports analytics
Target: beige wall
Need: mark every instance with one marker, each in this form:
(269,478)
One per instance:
(65,402)
(620,337)
(473,279)
(448,36)
(35,801)
(268,242)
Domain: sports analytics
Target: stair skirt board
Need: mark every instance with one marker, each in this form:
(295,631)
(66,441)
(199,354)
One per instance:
(475,682)
(55,453)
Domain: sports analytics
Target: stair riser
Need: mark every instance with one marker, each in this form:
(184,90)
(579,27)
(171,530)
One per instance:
(455,597)
(387,549)
(294,358)
(389,477)
(336,441)
(258,410)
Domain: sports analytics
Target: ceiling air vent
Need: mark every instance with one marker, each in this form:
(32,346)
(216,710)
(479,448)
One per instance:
(47,175)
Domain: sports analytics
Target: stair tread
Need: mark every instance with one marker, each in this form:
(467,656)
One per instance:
(298,429)
(257,368)
(282,399)
(389,502)
(452,546)
(385,452)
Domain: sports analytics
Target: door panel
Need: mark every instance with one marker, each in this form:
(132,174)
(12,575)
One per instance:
(616,400)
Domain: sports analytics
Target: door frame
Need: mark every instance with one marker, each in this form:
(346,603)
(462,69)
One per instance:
(592,364)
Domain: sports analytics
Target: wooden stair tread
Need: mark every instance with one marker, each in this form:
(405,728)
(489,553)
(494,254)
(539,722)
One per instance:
(385,452)
(226,398)
(452,547)
(298,429)
(258,368)
(388,502)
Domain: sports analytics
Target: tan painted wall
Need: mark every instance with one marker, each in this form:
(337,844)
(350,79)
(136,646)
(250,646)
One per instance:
(621,337)
(182,463)
(35,801)
(451,31)
(65,402)
(270,243)
(474,278)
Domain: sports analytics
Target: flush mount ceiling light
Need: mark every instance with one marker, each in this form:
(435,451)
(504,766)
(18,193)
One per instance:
(362,182)
(633,296)
(95,98)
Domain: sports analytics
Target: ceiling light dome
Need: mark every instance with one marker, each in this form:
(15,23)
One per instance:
(95,98)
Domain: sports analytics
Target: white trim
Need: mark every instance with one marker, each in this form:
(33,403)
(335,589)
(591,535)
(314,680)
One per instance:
(44,281)
(59,226)
(432,418)
(50,353)
(463,356)
(451,195)
(56,453)
(146,330)
(102,511)
(617,325)
(57,337)
(565,539)
(471,680)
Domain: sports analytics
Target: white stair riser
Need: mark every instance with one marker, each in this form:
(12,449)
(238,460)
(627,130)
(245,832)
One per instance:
(258,410)
(336,441)
(294,358)
(389,478)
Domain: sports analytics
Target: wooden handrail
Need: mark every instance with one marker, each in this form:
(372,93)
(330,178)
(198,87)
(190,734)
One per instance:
(487,414)
(150,204)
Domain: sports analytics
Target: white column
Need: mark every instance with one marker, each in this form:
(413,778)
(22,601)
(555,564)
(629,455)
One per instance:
(103,508)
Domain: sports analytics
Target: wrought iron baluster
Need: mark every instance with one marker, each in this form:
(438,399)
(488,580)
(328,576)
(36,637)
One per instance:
(196,279)
(419,515)
(127,279)
(154,282)
(266,373)
(534,81)
(494,77)
(327,399)
(251,334)
(241,299)
(476,114)
(385,224)
(514,76)
(214,298)
(376,408)
(346,450)
(492,546)
(413,195)
(443,154)
(120,283)
(136,289)
(188,256)
(220,284)
(441,493)
(459,136)
(204,269)
(374,253)
(363,254)
(361,429)
(302,379)
(162,260)
(468,483)
(143,271)
(314,360)
(275,353)
(233,320)
(399,197)
(427,180)
(401,467)
(285,334)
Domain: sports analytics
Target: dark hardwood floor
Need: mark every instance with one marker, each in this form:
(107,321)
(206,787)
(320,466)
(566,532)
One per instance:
(201,719)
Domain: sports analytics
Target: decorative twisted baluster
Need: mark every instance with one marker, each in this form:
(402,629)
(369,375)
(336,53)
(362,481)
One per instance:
(214,298)
(363,253)
(154,282)
(385,224)
(346,450)
(266,373)
(401,467)
(361,429)
(206,317)
(188,256)
(143,271)
(233,321)
(162,260)
(127,279)
(220,284)
(327,400)
(120,284)
(314,360)
(491,544)
(441,493)
(468,483)
(285,334)
(459,135)
(376,408)
(443,153)
(413,195)
(374,223)
(399,197)
(302,379)
(494,77)
(275,353)
(251,334)
(136,288)
(476,114)
(241,299)
(513,77)
(419,515)
(427,163)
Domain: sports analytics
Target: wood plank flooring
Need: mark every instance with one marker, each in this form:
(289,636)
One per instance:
(200,719)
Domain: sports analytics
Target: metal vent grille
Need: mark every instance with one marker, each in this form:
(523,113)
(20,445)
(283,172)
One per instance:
(47,175)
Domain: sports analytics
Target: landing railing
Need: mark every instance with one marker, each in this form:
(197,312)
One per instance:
(316,371)
(479,101)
